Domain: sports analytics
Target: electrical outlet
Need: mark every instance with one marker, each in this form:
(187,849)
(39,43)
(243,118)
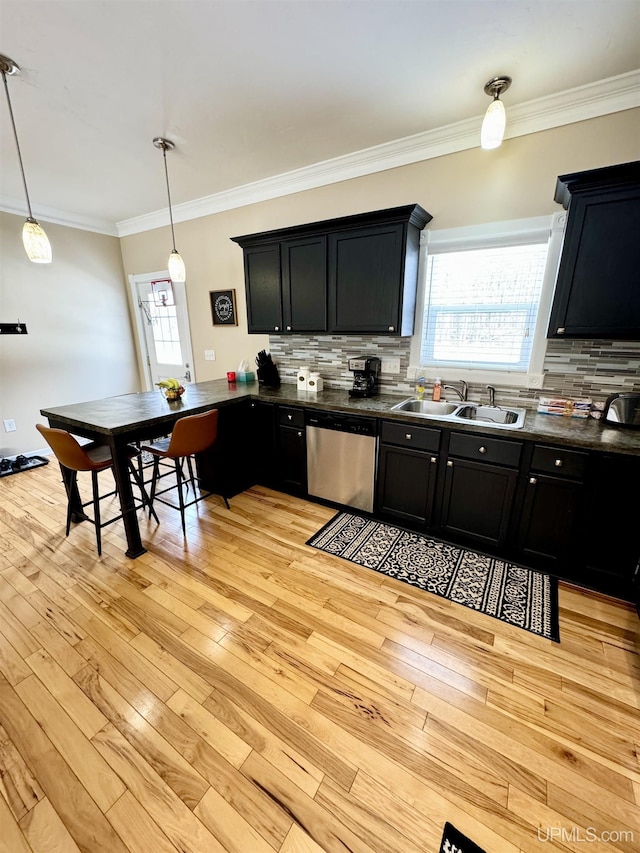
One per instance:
(9,425)
(209,355)
(391,365)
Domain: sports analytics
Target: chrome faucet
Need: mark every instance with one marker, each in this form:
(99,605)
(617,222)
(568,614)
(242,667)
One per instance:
(492,395)
(461,392)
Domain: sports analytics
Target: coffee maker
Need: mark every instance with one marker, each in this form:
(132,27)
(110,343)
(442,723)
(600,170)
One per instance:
(366,370)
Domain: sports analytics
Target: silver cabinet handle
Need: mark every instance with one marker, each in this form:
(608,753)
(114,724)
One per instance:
(392,328)
(288,328)
(300,434)
(560,330)
(482,449)
(408,436)
(276,328)
(434,459)
(449,463)
(558,463)
(290,416)
(533,480)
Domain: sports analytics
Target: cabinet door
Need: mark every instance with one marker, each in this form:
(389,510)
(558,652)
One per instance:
(547,529)
(366,269)
(292,459)
(304,284)
(611,527)
(406,484)
(596,292)
(263,287)
(477,502)
(263,442)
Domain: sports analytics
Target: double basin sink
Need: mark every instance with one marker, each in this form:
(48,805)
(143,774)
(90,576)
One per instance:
(500,417)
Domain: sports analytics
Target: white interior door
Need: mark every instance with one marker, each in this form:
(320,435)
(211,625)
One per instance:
(163,328)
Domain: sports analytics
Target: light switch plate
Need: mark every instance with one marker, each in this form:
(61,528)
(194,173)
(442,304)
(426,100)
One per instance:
(9,425)
(390,365)
(209,355)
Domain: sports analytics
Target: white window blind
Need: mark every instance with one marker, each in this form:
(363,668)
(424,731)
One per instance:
(481,306)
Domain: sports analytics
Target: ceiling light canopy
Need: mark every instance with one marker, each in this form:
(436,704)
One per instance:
(36,242)
(175,265)
(495,119)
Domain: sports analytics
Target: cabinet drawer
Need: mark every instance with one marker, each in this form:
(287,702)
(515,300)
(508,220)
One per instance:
(291,417)
(558,461)
(485,449)
(408,435)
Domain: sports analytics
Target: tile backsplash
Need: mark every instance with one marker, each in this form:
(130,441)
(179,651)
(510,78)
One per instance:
(573,369)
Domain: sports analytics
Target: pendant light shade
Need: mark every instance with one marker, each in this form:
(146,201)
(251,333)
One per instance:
(36,242)
(175,264)
(495,119)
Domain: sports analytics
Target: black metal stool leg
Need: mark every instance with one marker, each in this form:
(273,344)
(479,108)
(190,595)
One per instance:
(145,497)
(180,495)
(154,482)
(96,510)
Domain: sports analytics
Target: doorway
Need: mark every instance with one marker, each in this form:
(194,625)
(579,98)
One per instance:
(162,328)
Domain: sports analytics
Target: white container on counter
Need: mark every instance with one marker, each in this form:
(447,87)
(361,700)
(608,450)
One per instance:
(315,382)
(302,380)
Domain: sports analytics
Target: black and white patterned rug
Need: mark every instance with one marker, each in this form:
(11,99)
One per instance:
(503,590)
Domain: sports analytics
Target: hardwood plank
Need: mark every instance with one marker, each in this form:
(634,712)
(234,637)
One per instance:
(76,808)
(64,654)
(11,838)
(17,784)
(134,825)
(172,816)
(167,762)
(235,834)
(66,692)
(12,666)
(45,832)
(98,779)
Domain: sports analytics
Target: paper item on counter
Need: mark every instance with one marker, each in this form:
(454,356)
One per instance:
(564,406)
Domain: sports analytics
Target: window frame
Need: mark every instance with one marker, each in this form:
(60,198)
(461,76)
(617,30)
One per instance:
(515,232)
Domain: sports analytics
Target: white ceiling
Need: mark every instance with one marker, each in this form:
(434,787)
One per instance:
(249,89)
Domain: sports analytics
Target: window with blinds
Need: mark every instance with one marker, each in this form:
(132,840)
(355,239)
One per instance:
(481,306)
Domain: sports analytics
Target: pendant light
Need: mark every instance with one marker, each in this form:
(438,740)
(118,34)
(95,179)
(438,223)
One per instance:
(36,242)
(495,118)
(177,271)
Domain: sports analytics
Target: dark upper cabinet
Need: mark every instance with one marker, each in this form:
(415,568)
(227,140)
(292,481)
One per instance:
(353,275)
(597,293)
(264,296)
(304,284)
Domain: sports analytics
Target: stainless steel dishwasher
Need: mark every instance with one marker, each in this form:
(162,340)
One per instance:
(341,458)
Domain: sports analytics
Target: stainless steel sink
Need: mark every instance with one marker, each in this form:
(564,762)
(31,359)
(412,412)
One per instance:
(498,417)
(425,407)
(492,415)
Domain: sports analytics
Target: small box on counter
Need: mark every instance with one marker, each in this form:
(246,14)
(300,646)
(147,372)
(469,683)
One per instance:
(563,406)
(245,376)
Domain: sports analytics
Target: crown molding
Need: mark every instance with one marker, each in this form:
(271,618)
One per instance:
(573,105)
(59,217)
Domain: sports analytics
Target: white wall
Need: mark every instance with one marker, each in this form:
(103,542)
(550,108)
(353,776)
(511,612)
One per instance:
(79,344)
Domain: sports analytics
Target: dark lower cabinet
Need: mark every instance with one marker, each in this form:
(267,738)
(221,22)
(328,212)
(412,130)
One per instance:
(227,467)
(477,502)
(610,532)
(291,450)
(549,519)
(263,443)
(407,472)
(406,484)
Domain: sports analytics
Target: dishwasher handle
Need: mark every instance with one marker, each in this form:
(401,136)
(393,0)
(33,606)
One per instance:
(341,423)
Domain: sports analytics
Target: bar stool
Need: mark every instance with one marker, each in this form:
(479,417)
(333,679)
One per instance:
(191,434)
(95,458)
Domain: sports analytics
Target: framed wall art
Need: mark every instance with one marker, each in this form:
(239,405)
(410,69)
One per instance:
(223,307)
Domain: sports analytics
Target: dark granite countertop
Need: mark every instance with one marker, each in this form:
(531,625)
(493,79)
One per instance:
(115,414)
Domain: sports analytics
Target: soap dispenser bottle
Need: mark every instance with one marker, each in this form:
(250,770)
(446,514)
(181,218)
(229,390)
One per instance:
(420,388)
(437,390)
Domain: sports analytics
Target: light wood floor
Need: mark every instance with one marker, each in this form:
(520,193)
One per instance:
(247,693)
